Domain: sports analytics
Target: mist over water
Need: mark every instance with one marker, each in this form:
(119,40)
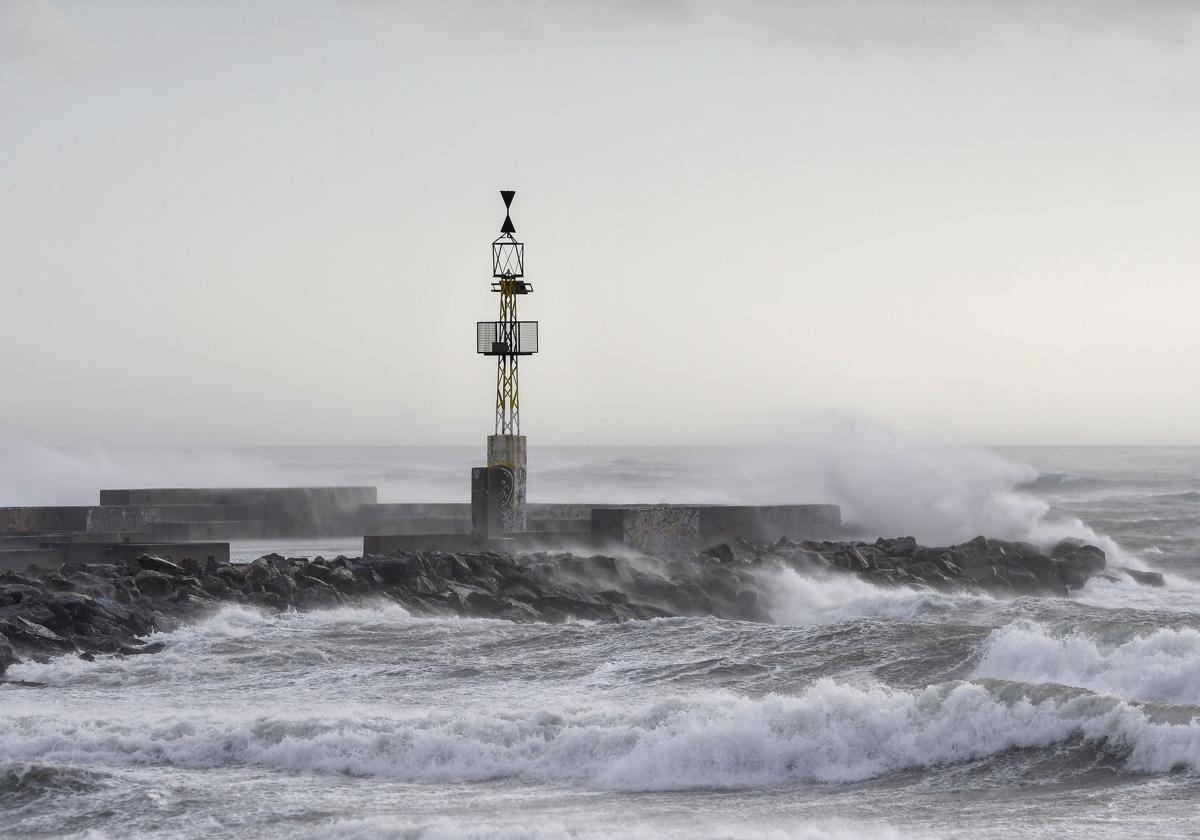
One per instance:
(858,712)
(885,482)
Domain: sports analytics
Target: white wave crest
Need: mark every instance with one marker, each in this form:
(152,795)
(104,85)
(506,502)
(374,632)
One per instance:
(1163,666)
(389,828)
(801,599)
(1179,595)
(831,733)
(183,655)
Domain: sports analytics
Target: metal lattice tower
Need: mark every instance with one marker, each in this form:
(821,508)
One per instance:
(507,338)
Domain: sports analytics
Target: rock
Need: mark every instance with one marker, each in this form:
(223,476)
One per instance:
(422,586)
(343,580)
(152,563)
(970,555)
(721,552)
(315,594)
(106,608)
(947,566)
(987,576)
(898,547)
(263,569)
(1145,578)
(281,585)
(269,600)
(1065,547)
(214,585)
(235,575)
(21,628)
(1075,563)
(72,606)
(152,647)
(484,603)
(1021,579)
(16,593)
(395,571)
(8,656)
(366,577)
(152,583)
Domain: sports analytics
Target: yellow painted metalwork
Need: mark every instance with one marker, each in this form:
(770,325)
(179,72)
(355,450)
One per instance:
(508,399)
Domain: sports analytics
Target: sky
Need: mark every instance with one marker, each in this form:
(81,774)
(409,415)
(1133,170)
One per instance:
(270,222)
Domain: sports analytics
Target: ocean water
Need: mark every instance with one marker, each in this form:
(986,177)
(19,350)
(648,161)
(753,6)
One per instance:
(858,713)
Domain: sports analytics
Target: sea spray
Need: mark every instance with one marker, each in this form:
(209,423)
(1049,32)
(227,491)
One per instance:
(827,598)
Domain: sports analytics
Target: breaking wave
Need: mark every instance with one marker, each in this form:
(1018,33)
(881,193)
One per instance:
(833,732)
(1163,666)
(389,828)
(800,599)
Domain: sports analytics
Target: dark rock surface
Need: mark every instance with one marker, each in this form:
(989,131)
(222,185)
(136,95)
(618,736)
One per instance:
(110,609)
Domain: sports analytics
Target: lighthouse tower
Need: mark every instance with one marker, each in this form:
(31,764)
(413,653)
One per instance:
(507,339)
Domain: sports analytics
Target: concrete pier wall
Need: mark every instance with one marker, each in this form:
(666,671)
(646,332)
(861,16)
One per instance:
(667,527)
(202,520)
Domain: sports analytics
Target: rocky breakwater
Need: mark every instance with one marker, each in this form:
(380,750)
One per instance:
(997,567)
(93,609)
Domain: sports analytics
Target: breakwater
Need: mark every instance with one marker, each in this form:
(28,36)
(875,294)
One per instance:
(110,608)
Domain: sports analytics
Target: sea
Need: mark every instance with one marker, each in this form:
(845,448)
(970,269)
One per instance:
(858,712)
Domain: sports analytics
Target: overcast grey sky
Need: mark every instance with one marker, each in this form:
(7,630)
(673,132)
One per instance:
(269,222)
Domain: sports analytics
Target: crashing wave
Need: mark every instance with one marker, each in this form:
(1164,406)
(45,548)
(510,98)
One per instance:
(833,732)
(1163,666)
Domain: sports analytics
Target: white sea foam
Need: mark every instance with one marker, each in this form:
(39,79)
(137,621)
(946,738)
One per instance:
(185,647)
(390,828)
(795,598)
(1163,666)
(831,733)
(1177,595)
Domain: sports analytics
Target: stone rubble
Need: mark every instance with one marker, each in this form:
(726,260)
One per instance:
(94,609)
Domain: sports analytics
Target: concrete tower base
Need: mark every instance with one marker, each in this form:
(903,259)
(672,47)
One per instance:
(506,482)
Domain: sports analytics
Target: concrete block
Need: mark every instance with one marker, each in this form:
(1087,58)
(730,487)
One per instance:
(343,497)
(249,529)
(668,527)
(301,511)
(382,544)
(32,520)
(479,502)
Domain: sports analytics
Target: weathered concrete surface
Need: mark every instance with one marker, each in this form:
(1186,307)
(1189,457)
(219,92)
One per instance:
(33,520)
(674,527)
(383,544)
(252,512)
(343,498)
(506,484)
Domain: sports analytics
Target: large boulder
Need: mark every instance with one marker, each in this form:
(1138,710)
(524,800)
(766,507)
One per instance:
(153,584)
(1145,578)
(898,546)
(1076,561)
(262,570)
(16,593)
(153,563)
